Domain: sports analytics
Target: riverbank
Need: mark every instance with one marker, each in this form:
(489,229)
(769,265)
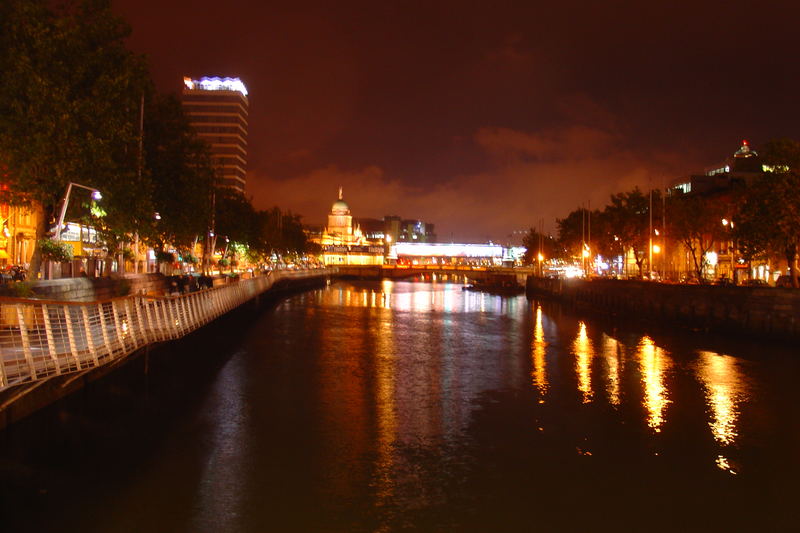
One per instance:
(51,349)
(765,312)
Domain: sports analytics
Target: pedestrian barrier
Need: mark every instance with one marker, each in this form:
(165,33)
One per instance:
(41,339)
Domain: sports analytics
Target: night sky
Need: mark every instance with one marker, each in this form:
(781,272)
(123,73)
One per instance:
(482,117)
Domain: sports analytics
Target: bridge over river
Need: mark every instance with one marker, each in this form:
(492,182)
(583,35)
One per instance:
(477,273)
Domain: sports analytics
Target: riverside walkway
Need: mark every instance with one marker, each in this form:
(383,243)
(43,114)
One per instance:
(42,339)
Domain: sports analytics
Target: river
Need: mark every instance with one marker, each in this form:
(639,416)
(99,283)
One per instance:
(417,406)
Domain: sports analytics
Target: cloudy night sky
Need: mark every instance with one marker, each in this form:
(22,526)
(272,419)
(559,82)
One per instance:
(482,117)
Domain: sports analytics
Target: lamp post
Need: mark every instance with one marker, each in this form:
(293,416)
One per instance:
(95,196)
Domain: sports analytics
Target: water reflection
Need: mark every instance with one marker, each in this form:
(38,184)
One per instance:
(725,389)
(539,363)
(613,353)
(402,406)
(654,363)
(385,405)
(584,351)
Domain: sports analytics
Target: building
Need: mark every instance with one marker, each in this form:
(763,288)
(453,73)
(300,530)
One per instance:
(217,109)
(451,254)
(742,167)
(406,230)
(343,243)
(17,235)
(720,184)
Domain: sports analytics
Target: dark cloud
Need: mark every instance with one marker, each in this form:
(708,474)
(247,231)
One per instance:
(482,117)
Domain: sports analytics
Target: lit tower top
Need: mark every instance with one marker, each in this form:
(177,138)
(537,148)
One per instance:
(215,84)
(745,150)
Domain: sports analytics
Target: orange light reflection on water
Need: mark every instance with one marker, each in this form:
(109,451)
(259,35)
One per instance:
(613,353)
(386,407)
(538,353)
(654,363)
(584,351)
(725,389)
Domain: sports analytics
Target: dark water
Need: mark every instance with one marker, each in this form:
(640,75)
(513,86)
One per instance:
(420,407)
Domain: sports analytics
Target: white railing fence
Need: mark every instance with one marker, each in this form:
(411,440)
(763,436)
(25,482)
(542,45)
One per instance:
(40,339)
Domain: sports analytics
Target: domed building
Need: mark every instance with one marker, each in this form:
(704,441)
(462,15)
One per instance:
(342,244)
(340,224)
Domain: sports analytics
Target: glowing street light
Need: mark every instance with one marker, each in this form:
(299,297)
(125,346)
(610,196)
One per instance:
(95,196)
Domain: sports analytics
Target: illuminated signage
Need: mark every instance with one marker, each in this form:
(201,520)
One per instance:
(448,250)
(215,84)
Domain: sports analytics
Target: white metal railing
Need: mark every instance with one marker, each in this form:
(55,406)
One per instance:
(41,339)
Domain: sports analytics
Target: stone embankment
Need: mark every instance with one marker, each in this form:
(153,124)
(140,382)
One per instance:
(765,312)
(67,333)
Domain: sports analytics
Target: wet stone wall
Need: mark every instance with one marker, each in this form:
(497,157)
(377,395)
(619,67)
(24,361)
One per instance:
(768,311)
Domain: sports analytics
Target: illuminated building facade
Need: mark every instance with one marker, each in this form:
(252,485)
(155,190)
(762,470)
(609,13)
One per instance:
(343,244)
(406,230)
(17,235)
(217,110)
(719,184)
(412,253)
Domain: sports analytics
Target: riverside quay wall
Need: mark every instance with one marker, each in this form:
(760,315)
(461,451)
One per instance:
(765,312)
(50,348)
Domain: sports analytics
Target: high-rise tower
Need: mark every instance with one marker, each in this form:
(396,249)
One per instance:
(217,109)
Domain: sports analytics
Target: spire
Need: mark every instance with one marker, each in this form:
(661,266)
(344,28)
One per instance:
(340,192)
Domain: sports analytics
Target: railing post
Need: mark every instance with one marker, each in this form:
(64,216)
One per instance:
(26,341)
(132,323)
(173,327)
(117,328)
(187,316)
(190,311)
(51,343)
(161,317)
(73,348)
(152,323)
(104,329)
(141,308)
(89,338)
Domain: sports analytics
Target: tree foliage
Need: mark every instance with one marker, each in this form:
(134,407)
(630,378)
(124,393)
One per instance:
(179,165)
(629,215)
(769,216)
(71,91)
(696,222)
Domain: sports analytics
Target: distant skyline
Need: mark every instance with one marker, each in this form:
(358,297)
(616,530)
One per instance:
(481,117)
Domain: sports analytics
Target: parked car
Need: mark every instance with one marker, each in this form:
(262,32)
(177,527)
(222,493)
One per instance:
(784,281)
(755,283)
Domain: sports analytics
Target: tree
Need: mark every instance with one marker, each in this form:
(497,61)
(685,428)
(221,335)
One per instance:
(538,244)
(604,239)
(235,217)
(182,174)
(696,222)
(628,217)
(571,234)
(769,216)
(71,91)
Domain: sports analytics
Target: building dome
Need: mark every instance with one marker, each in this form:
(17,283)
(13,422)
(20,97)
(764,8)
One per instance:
(340,207)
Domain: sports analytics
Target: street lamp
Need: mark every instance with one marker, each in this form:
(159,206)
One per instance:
(95,196)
